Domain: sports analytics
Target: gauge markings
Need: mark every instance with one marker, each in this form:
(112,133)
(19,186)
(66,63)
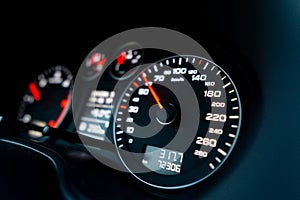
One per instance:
(221,151)
(180,60)
(205,66)
(227,144)
(234,117)
(218,159)
(119,132)
(211,166)
(234,126)
(224,86)
(119,119)
(135,84)
(123,107)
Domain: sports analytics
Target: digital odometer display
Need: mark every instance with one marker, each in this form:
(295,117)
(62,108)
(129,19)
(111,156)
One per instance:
(163,161)
(177,121)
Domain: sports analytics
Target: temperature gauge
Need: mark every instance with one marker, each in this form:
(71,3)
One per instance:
(93,66)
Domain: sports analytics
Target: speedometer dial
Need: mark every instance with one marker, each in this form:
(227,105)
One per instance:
(177,121)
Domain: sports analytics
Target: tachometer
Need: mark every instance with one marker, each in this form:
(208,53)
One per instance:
(48,99)
(177,121)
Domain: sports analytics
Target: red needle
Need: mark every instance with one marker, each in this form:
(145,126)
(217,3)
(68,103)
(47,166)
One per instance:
(122,57)
(152,91)
(35,92)
(101,62)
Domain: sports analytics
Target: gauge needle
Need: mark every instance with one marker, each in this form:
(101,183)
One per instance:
(35,92)
(152,91)
(101,62)
(122,57)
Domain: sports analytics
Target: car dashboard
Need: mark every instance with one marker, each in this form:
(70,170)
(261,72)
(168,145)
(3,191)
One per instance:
(159,110)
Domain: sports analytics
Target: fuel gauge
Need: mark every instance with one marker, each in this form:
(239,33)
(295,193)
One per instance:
(129,56)
(48,98)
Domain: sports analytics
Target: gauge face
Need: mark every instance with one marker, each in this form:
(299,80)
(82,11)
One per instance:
(48,98)
(129,56)
(93,66)
(126,61)
(177,122)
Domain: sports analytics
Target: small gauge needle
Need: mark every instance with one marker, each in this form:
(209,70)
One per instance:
(152,91)
(101,62)
(35,92)
(121,59)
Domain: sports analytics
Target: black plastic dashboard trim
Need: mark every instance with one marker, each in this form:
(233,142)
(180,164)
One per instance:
(55,159)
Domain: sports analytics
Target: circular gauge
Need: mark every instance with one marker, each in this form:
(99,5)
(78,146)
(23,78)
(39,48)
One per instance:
(130,55)
(48,99)
(93,65)
(177,121)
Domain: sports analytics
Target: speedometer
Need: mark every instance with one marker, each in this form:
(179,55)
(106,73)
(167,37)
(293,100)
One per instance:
(177,121)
